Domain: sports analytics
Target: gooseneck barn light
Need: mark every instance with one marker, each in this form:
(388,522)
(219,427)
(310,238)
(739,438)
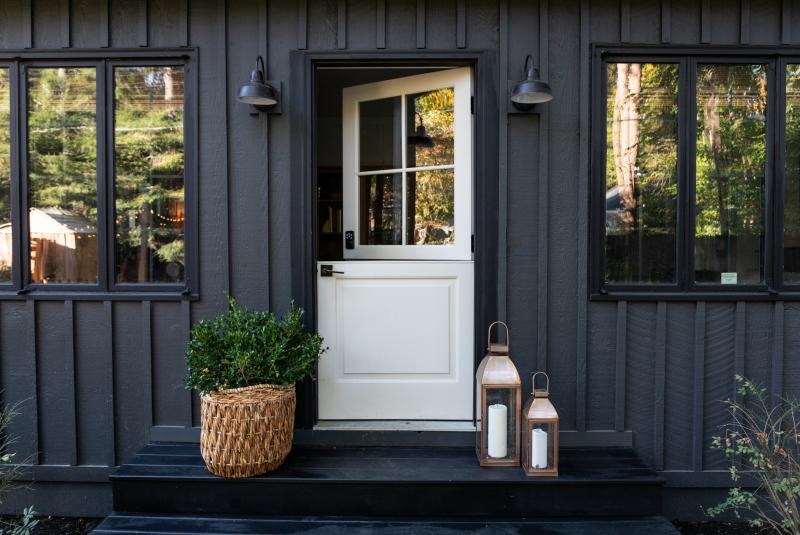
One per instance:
(532,90)
(420,137)
(258,92)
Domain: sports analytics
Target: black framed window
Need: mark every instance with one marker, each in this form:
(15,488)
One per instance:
(696,172)
(97,187)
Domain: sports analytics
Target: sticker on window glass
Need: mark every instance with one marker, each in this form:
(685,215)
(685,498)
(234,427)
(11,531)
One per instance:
(728,278)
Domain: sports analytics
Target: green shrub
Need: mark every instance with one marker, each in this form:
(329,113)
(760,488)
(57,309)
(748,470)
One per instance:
(762,443)
(242,347)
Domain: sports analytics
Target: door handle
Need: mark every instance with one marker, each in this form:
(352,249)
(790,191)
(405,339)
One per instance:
(326,270)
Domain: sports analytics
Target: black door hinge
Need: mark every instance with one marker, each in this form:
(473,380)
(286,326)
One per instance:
(472,105)
(473,243)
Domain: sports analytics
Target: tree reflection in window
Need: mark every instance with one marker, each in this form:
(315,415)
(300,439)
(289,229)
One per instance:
(62,174)
(149,174)
(791,203)
(6,240)
(729,175)
(641,172)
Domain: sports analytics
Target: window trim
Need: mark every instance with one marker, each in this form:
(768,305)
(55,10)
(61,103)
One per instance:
(104,61)
(688,57)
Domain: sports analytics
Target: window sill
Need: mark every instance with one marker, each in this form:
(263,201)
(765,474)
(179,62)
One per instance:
(695,296)
(69,295)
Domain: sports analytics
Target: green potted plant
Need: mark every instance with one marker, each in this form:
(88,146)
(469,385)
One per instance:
(244,364)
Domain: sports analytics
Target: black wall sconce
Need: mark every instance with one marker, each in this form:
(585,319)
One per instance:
(260,93)
(530,91)
(420,138)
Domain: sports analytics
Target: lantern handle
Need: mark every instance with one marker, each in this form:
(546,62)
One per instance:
(546,386)
(489,334)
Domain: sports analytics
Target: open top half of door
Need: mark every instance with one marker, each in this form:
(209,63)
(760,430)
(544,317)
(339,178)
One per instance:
(407,168)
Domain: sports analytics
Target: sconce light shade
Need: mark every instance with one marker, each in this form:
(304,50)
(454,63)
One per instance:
(532,90)
(257,92)
(420,138)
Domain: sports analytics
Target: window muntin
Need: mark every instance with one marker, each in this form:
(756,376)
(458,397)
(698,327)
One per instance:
(730,173)
(6,234)
(149,174)
(62,175)
(641,172)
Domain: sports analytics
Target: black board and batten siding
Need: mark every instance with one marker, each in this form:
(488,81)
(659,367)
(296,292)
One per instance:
(99,378)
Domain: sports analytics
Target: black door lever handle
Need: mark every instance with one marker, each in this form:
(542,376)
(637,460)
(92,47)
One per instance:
(326,270)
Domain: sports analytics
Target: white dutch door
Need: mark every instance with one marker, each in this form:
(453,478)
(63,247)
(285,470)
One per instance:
(397,313)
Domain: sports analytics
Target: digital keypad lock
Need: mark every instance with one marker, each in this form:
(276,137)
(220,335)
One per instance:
(349,239)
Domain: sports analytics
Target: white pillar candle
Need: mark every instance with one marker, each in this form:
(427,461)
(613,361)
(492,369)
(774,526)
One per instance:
(498,431)
(539,448)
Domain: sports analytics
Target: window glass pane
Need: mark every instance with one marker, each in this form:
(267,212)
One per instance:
(430,124)
(429,207)
(791,209)
(381,206)
(6,246)
(380,133)
(641,172)
(62,175)
(149,174)
(730,170)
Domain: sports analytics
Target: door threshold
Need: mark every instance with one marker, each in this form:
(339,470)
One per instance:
(394,425)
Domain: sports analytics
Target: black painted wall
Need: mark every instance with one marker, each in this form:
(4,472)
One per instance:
(100,378)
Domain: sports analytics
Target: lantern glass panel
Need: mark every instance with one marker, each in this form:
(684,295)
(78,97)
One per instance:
(539,446)
(499,442)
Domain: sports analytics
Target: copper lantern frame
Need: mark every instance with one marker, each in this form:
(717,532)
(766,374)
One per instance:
(539,411)
(497,372)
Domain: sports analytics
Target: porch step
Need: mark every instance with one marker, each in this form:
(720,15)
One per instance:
(219,525)
(390,482)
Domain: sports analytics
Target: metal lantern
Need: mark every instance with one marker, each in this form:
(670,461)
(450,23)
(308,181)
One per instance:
(498,393)
(540,432)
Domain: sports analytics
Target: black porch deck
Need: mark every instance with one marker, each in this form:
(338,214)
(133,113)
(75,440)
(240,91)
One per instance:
(413,488)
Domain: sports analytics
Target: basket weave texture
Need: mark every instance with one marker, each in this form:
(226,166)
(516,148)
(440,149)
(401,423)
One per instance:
(247,431)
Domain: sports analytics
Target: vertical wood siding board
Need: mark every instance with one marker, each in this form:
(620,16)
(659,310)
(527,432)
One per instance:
(666,21)
(786,22)
(625,21)
(461,24)
(302,24)
(183,22)
(34,399)
(776,382)
(581,202)
(659,377)
(503,165)
(380,24)
(699,373)
(108,327)
(744,22)
(222,16)
(66,37)
(27,24)
(143,30)
(421,24)
(705,21)
(262,39)
(147,357)
(544,177)
(620,365)
(341,25)
(69,356)
(105,23)
(186,323)
(740,344)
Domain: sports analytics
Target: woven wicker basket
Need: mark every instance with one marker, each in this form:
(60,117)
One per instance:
(247,431)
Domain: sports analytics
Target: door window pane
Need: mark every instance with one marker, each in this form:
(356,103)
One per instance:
(381,206)
(430,124)
(641,172)
(791,203)
(62,175)
(149,174)
(429,207)
(380,134)
(6,246)
(730,170)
